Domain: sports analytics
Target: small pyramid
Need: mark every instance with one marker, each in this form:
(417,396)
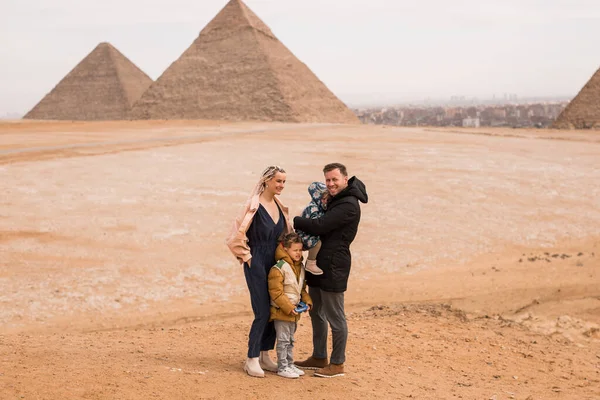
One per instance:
(238,70)
(583,112)
(103,86)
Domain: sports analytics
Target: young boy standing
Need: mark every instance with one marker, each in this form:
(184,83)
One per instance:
(287,288)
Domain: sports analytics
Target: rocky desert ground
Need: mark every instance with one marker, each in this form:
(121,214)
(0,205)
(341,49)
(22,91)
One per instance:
(476,269)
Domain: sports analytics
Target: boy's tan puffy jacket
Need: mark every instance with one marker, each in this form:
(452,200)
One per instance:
(286,287)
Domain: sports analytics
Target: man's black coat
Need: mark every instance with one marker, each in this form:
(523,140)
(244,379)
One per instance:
(337,229)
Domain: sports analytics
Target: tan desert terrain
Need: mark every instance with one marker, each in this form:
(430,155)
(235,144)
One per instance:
(476,269)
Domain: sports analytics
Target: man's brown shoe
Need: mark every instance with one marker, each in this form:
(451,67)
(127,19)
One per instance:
(330,371)
(312,363)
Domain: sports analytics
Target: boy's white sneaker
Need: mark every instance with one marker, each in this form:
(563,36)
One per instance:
(288,372)
(297,370)
(311,266)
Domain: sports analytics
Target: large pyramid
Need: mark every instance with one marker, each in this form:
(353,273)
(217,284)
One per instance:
(238,70)
(583,112)
(103,86)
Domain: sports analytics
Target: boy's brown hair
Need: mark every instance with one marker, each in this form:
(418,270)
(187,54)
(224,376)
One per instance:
(289,239)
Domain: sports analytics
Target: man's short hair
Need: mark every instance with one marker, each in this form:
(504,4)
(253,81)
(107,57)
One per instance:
(332,166)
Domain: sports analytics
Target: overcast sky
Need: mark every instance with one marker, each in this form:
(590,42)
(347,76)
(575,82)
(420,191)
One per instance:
(364,50)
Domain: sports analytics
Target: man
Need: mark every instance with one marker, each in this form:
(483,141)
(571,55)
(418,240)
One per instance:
(337,229)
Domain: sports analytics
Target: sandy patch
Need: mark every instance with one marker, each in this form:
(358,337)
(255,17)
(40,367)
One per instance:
(115,282)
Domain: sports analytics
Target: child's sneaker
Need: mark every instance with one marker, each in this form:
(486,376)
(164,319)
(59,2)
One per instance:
(311,266)
(297,370)
(288,372)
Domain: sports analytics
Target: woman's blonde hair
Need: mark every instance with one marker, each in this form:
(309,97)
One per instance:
(267,175)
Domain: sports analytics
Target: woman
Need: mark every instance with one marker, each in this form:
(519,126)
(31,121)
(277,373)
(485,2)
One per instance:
(253,242)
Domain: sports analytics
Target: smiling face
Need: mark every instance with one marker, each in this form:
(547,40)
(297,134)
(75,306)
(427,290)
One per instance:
(295,251)
(335,181)
(276,184)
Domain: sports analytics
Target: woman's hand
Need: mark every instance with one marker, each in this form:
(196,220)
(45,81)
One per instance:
(293,312)
(249,263)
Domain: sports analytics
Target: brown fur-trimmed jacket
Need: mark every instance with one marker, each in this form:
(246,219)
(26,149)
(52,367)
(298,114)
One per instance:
(286,287)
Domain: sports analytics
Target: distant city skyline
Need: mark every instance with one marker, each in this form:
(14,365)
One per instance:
(367,53)
(539,115)
(437,101)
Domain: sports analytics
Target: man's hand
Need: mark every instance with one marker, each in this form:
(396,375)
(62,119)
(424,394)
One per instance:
(293,312)
(249,262)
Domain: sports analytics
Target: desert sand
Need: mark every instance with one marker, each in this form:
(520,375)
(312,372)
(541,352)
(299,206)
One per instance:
(475,270)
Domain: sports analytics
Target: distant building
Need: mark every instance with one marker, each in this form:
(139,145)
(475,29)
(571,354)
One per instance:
(471,122)
(499,113)
(472,112)
(450,113)
(537,110)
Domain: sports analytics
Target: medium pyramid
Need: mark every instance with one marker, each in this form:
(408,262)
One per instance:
(103,86)
(583,112)
(238,70)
